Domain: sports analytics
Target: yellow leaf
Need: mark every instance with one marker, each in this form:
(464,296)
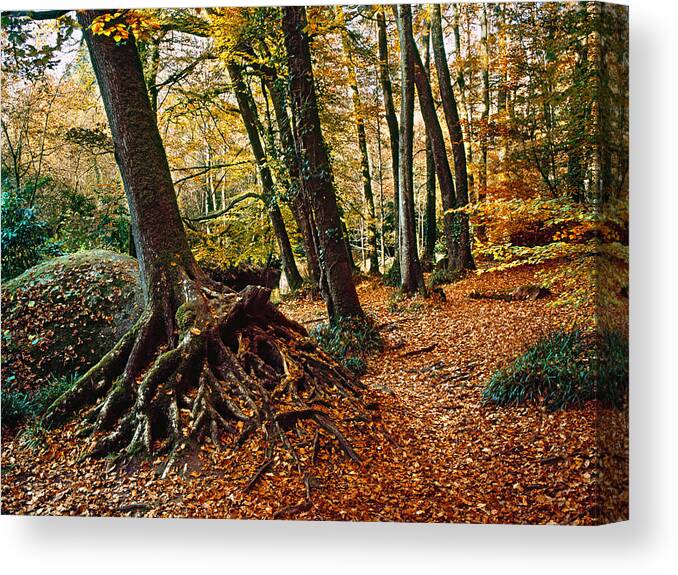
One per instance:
(195,331)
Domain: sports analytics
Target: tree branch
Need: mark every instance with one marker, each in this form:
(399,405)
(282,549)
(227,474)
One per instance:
(40,14)
(234,202)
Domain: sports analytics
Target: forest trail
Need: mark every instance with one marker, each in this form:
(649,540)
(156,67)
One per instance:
(444,456)
(460,460)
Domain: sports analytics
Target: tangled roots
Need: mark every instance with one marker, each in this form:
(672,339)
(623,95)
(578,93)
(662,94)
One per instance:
(220,366)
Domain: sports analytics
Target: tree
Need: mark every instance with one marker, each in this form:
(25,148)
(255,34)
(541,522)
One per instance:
(202,359)
(456,137)
(298,201)
(248,112)
(337,284)
(389,109)
(369,213)
(485,62)
(430,224)
(411,277)
(442,164)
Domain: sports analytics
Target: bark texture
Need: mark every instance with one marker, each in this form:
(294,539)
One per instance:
(411,277)
(449,102)
(340,294)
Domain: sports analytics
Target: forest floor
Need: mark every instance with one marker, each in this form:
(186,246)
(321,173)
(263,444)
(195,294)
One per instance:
(438,454)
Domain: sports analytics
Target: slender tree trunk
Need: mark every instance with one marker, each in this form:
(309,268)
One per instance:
(429,232)
(298,204)
(466,108)
(369,214)
(411,277)
(249,116)
(485,59)
(442,164)
(457,140)
(391,118)
(341,297)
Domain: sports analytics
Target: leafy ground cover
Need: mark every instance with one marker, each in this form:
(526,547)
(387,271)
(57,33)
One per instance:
(433,452)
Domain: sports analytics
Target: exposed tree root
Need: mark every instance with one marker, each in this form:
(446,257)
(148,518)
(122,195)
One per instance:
(220,365)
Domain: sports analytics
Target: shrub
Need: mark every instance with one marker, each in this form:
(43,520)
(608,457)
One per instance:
(16,407)
(33,436)
(565,369)
(349,340)
(25,237)
(392,276)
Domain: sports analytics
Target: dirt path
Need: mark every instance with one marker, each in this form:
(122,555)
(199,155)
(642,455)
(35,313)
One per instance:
(460,460)
(439,454)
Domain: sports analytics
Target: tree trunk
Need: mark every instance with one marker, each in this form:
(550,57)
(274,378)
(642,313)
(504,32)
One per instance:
(202,360)
(442,164)
(485,60)
(466,108)
(298,204)
(430,234)
(391,118)
(248,112)
(457,140)
(411,278)
(341,297)
(369,214)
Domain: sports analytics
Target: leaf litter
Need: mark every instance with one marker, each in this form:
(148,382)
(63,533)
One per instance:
(435,454)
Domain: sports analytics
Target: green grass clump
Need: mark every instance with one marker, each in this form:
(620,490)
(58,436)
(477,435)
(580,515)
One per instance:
(442,277)
(16,407)
(349,340)
(19,406)
(564,370)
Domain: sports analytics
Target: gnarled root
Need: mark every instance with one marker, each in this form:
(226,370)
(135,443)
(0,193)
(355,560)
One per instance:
(224,365)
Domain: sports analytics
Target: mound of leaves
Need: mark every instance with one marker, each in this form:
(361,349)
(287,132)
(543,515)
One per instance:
(349,340)
(565,369)
(63,315)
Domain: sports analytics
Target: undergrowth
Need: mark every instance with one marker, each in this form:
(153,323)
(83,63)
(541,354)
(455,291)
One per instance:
(349,340)
(443,276)
(392,276)
(20,406)
(564,370)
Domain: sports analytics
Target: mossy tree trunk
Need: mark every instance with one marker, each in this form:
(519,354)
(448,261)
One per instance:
(340,295)
(411,277)
(430,228)
(297,199)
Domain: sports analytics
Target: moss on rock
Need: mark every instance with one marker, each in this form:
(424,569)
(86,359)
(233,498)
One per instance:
(61,316)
